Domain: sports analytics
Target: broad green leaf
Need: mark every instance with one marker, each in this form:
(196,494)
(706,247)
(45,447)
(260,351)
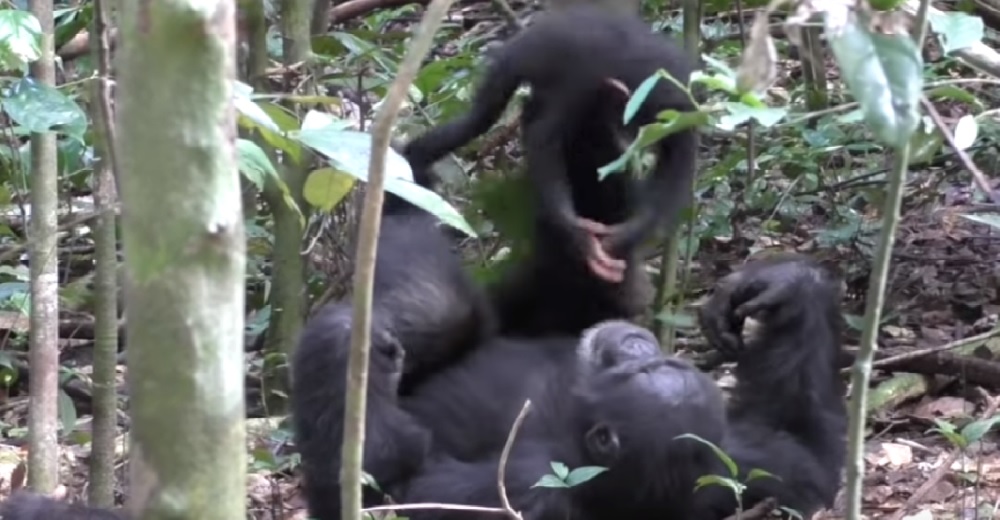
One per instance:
(639,96)
(41,108)
(730,464)
(67,412)
(739,113)
(250,110)
(549,481)
(718,480)
(966,131)
(287,122)
(350,150)
(559,469)
(977,429)
(20,35)
(990,219)
(583,474)
(957,30)
(253,163)
(884,72)
(316,120)
(430,202)
(326,187)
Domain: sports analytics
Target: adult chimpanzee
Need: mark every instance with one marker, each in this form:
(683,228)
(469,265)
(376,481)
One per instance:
(610,399)
(572,125)
(621,403)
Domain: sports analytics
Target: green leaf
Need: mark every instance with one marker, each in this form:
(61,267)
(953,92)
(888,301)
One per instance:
(739,113)
(680,320)
(253,163)
(714,81)
(20,37)
(671,122)
(717,480)
(730,464)
(429,201)
(639,96)
(326,187)
(759,473)
(957,30)
(349,150)
(966,131)
(287,122)
(41,108)
(884,72)
(67,412)
(559,469)
(925,143)
(990,219)
(549,481)
(977,429)
(247,108)
(583,474)
(954,93)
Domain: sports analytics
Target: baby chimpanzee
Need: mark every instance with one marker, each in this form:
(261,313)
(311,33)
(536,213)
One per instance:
(578,61)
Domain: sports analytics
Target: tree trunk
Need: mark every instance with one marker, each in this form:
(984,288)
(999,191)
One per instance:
(43,386)
(185,258)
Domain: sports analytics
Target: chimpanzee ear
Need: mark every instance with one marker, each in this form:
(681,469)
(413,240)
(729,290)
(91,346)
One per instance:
(602,444)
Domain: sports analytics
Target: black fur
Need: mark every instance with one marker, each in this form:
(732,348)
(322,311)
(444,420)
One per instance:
(425,313)
(30,506)
(571,127)
(622,411)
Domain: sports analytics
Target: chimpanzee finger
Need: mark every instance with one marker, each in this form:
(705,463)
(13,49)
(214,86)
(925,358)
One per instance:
(604,272)
(766,301)
(606,262)
(593,227)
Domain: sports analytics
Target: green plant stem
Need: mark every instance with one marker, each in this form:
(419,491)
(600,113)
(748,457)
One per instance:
(869,336)
(352,450)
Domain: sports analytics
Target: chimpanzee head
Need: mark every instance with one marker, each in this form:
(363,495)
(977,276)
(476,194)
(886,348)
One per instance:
(631,402)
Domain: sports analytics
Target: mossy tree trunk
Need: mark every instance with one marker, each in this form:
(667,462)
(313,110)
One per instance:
(185,258)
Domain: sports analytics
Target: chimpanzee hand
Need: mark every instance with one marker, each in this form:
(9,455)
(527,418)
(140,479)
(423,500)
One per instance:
(774,291)
(603,266)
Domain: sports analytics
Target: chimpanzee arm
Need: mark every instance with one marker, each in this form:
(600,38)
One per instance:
(787,413)
(395,443)
(662,195)
(547,116)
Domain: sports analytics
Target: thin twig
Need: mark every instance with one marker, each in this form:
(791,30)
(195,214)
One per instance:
(502,468)
(506,508)
(977,175)
(508,14)
(913,354)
